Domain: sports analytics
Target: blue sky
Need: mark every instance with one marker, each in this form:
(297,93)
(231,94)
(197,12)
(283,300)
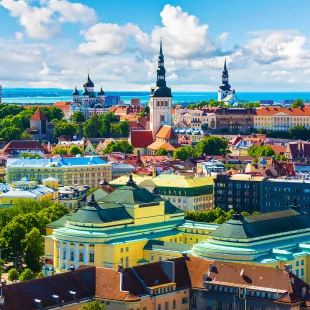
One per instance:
(52,43)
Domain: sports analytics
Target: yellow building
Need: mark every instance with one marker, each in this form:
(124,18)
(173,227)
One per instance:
(87,170)
(184,192)
(129,227)
(25,189)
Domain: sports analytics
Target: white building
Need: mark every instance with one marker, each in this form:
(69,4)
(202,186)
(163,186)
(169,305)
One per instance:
(225,93)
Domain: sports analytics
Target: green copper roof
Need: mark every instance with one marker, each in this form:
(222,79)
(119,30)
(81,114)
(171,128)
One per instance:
(60,222)
(255,226)
(153,245)
(171,209)
(131,194)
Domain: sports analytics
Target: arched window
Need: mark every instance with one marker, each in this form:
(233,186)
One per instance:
(166,103)
(162,118)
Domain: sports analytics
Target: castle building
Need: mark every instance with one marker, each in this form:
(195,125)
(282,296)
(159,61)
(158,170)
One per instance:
(38,125)
(161,98)
(225,93)
(89,103)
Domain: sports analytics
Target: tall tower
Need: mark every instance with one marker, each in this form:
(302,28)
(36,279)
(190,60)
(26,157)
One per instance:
(160,98)
(225,88)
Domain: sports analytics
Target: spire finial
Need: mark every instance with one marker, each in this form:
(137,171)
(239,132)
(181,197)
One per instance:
(161,46)
(225,67)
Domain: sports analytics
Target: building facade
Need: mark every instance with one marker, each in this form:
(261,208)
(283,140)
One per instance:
(117,230)
(69,171)
(187,194)
(89,103)
(240,192)
(183,283)
(235,120)
(274,239)
(281,119)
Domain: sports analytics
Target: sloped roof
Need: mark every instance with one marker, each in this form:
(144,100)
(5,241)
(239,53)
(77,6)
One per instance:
(269,111)
(156,145)
(38,116)
(141,138)
(262,225)
(23,145)
(167,132)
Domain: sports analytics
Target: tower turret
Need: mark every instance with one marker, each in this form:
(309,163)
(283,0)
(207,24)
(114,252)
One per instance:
(161,97)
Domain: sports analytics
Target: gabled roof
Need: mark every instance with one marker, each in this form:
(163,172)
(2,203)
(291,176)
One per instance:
(167,132)
(269,111)
(141,138)
(23,146)
(38,116)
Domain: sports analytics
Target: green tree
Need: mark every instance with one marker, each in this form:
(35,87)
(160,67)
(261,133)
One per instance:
(91,127)
(299,132)
(40,275)
(13,275)
(93,305)
(161,152)
(25,136)
(27,274)
(264,150)
(59,150)
(29,155)
(183,153)
(74,150)
(11,133)
(146,109)
(78,117)
(34,248)
(298,103)
(52,113)
(65,128)
(212,146)
(122,146)
(280,157)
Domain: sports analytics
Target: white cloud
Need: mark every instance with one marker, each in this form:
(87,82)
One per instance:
(19,36)
(45,70)
(291,81)
(110,39)
(42,22)
(183,35)
(223,36)
(277,73)
(172,76)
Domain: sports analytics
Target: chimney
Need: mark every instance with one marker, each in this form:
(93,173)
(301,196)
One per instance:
(169,269)
(120,269)
(73,294)
(184,255)
(72,268)
(287,268)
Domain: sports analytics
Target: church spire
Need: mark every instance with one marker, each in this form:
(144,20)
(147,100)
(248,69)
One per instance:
(225,68)
(161,71)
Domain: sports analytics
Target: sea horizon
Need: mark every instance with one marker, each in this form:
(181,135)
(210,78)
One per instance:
(52,95)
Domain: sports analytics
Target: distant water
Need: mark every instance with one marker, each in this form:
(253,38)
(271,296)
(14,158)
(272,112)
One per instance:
(51,95)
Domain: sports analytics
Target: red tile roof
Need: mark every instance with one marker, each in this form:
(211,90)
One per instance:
(23,146)
(141,138)
(38,116)
(269,111)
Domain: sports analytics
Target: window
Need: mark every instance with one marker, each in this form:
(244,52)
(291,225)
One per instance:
(194,301)
(230,306)
(81,256)
(159,307)
(184,300)
(91,257)
(166,305)
(302,262)
(127,249)
(297,263)
(174,304)
(121,250)
(219,305)
(151,256)
(160,258)
(127,261)
(122,261)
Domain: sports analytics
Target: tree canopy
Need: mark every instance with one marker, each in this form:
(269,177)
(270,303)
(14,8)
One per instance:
(184,152)
(298,103)
(299,132)
(264,150)
(161,152)
(27,274)
(121,146)
(212,146)
(74,150)
(78,117)
(59,150)
(63,128)
(93,305)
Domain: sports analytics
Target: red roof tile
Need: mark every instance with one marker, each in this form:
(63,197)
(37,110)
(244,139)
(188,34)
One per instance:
(141,138)
(38,116)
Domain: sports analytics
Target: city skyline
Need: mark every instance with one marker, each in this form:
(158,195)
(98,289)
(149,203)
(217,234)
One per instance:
(53,44)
